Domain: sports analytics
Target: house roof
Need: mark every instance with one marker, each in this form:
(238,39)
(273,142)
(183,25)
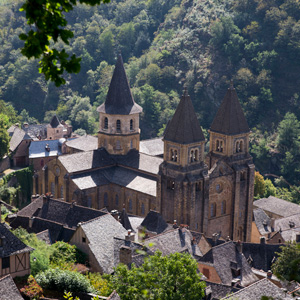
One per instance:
(54,123)
(172,241)
(100,233)
(218,290)
(277,206)
(119,100)
(263,287)
(230,118)
(124,220)
(36,130)
(37,149)
(261,256)
(287,223)
(154,147)
(223,257)
(83,143)
(16,139)
(184,127)
(11,244)
(59,211)
(154,222)
(262,221)
(44,236)
(8,289)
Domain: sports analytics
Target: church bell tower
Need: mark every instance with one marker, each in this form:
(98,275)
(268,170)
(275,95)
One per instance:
(182,190)
(119,130)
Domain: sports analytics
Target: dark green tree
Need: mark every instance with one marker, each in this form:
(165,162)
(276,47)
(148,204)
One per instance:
(172,277)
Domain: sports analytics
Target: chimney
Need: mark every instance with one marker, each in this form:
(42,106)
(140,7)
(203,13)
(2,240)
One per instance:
(25,125)
(125,255)
(175,226)
(239,246)
(262,240)
(235,282)
(130,236)
(34,197)
(297,238)
(115,214)
(73,203)
(46,197)
(215,238)
(30,222)
(269,274)
(47,148)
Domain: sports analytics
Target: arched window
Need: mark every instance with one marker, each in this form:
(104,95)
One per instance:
(130,205)
(53,188)
(221,146)
(118,125)
(237,148)
(131,144)
(217,145)
(241,146)
(118,145)
(89,202)
(212,210)
(192,156)
(105,200)
(143,209)
(223,208)
(196,155)
(62,191)
(175,155)
(105,123)
(131,124)
(117,200)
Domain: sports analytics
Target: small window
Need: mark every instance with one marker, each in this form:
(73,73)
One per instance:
(130,205)
(89,201)
(192,157)
(241,146)
(131,124)
(217,145)
(117,200)
(171,184)
(221,146)
(196,155)
(143,209)
(223,208)
(6,262)
(105,123)
(57,131)
(83,239)
(52,188)
(175,155)
(118,125)
(105,200)
(118,145)
(131,144)
(62,191)
(212,210)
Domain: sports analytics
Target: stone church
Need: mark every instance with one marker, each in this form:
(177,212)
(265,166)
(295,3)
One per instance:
(211,194)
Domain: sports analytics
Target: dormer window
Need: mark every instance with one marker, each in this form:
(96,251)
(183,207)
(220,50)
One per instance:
(118,125)
(105,123)
(131,124)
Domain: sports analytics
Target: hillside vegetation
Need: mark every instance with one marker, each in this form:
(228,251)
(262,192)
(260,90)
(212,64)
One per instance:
(167,44)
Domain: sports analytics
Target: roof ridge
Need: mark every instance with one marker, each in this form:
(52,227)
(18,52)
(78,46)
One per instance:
(104,215)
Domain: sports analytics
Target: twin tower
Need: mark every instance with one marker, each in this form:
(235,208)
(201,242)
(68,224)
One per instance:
(210,194)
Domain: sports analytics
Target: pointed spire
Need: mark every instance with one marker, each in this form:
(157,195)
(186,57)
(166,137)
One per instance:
(184,127)
(124,220)
(54,122)
(230,118)
(119,100)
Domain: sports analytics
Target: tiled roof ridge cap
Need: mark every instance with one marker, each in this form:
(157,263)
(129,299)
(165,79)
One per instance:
(160,234)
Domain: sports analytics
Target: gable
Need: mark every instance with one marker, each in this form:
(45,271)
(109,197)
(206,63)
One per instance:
(220,169)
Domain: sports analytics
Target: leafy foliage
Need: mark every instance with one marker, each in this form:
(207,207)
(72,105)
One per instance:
(64,280)
(160,277)
(32,290)
(286,267)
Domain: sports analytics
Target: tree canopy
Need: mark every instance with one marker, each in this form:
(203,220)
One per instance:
(172,277)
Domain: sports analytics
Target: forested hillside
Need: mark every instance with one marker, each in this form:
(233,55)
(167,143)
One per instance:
(167,44)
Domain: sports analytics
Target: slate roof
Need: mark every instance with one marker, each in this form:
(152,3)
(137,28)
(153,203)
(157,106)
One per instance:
(11,244)
(262,221)
(261,255)
(277,206)
(35,130)
(16,139)
(288,227)
(83,161)
(44,236)
(84,143)
(54,123)
(225,255)
(172,241)
(124,220)
(230,118)
(100,233)
(124,177)
(37,149)
(218,290)
(263,287)
(119,100)
(154,147)
(59,211)
(154,222)
(184,127)
(8,289)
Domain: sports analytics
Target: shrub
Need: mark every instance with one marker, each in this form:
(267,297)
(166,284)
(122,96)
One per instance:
(32,290)
(63,280)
